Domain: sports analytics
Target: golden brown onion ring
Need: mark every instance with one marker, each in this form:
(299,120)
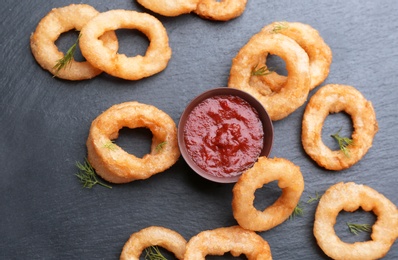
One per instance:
(319,53)
(114,164)
(153,236)
(169,7)
(349,197)
(235,240)
(295,92)
(156,57)
(266,170)
(223,10)
(56,22)
(335,98)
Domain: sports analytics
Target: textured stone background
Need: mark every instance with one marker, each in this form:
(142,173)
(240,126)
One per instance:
(46,214)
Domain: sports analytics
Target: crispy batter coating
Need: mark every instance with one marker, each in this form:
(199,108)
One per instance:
(223,10)
(169,7)
(319,53)
(335,98)
(294,93)
(266,170)
(235,240)
(153,236)
(349,197)
(116,165)
(156,57)
(56,22)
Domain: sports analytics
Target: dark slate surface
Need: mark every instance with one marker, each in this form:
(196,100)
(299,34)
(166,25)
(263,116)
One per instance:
(46,214)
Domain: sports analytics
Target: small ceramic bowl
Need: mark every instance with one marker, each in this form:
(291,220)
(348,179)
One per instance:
(262,113)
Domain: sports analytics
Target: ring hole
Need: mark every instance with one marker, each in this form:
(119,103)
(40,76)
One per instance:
(357,217)
(277,64)
(66,40)
(266,195)
(332,125)
(135,141)
(132,42)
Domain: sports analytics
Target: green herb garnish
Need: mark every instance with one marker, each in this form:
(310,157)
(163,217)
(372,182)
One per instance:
(160,146)
(87,175)
(279,27)
(262,71)
(110,145)
(67,59)
(343,142)
(298,211)
(356,228)
(316,198)
(153,253)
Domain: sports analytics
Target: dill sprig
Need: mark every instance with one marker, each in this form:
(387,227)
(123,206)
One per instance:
(356,228)
(262,71)
(110,145)
(153,253)
(343,142)
(298,211)
(87,175)
(313,199)
(67,59)
(160,146)
(279,27)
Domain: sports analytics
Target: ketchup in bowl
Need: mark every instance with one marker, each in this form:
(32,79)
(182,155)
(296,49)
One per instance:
(223,132)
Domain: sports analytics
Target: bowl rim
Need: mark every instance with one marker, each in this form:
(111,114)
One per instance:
(266,121)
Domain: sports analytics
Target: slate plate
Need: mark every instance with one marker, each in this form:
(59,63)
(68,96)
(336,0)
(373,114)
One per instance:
(46,214)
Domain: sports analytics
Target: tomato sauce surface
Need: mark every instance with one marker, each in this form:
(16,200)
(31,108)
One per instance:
(224,135)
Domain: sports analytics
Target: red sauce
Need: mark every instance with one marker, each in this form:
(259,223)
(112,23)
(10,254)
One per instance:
(224,135)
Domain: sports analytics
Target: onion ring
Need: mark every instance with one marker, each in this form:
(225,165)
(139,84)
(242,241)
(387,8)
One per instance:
(319,53)
(116,165)
(56,22)
(265,170)
(295,92)
(153,236)
(335,98)
(169,7)
(227,239)
(119,65)
(349,197)
(223,10)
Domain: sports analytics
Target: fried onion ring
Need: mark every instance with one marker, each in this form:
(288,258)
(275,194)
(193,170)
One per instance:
(235,240)
(264,171)
(153,236)
(56,22)
(319,53)
(156,57)
(223,10)
(169,7)
(116,165)
(295,92)
(349,197)
(335,98)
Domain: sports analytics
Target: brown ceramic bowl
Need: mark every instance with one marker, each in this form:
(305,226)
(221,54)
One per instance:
(263,115)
